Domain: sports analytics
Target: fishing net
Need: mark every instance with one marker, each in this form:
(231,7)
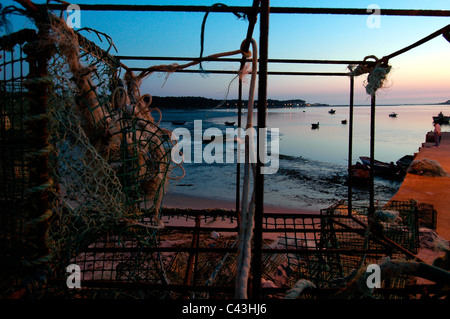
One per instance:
(107,162)
(112,162)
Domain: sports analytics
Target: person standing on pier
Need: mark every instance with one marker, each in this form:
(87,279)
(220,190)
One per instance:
(437,133)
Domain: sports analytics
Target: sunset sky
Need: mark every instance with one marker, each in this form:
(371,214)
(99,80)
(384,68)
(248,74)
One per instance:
(418,76)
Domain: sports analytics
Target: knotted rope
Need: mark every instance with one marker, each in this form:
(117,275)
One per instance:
(377,71)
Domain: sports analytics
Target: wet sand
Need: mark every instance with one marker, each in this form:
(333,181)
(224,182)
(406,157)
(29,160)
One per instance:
(173,200)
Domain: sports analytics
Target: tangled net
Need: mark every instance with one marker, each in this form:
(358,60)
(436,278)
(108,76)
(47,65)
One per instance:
(111,163)
(426,167)
(377,73)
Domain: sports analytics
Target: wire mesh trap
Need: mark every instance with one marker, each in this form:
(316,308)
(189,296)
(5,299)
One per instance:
(85,167)
(195,256)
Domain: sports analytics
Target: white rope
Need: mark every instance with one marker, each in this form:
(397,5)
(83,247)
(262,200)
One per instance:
(247,209)
(298,288)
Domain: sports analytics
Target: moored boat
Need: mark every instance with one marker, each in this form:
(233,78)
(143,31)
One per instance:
(332,111)
(441,118)
(404,162)
(229,123)
(383,169)
(359,172)
(344,121)
(315,125)
(393,114)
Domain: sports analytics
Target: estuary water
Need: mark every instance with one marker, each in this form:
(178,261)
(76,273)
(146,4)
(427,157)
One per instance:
(312,172)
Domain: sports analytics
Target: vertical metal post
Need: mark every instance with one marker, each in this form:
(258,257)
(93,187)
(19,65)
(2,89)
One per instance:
(372,155)
(259,181)
(238,165)
(193,256)
(350,145)
(37,205)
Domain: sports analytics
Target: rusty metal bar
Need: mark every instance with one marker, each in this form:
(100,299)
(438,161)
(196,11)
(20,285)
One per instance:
(36,125)
(217,213)
(268,73)
(420,42)
(294,61)
(247,10)
(259,178)
(266,230)
(238,163)
(223,250)
(350,145)
(372,156)
(193,256)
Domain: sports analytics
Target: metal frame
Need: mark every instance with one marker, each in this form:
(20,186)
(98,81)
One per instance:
(264,10)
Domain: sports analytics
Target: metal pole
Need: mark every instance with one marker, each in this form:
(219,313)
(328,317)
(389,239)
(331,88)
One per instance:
(242,9)
(246,46)
(238,167)
(259,181)
(350,145)
(372,154)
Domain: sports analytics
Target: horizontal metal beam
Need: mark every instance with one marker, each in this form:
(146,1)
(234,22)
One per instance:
(288,61)
(362,11)
(265,230)
(223,250)
(236,72)
(247,10)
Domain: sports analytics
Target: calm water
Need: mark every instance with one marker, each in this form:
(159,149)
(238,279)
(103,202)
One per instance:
(313,163)
(395,137)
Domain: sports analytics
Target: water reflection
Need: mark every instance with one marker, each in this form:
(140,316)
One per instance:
(395,136)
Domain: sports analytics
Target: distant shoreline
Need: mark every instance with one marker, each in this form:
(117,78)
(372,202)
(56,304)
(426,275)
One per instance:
(196,102)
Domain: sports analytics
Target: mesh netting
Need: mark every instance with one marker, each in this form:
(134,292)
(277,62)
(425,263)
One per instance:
(82,157)
(110,164)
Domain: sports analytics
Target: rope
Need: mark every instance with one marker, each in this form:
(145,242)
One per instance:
(202,34)
(171,68)
(298,288)
(247,209)
(378,71)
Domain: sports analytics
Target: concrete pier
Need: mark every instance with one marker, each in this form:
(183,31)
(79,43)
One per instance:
(431,190)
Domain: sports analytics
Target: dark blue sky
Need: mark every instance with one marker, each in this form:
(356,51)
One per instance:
(421,75)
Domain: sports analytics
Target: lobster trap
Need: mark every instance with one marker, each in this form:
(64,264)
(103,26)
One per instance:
(195,256)
(85,166)
(81,158)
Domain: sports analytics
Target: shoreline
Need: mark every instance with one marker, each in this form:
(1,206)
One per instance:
(176,200)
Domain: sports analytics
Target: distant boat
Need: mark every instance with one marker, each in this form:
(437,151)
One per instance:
(229,123)
(393,114)
(332,111)
(315,125)
(178,122)
(344,121)
(441,118)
